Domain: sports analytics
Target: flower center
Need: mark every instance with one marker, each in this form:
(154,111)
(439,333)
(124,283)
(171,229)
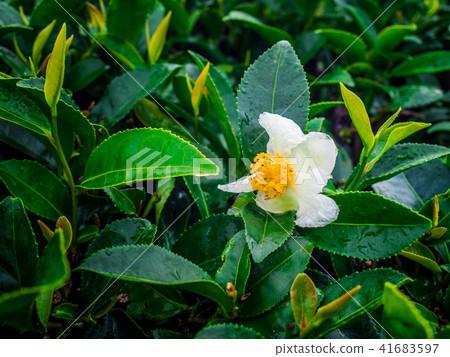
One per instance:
(272,174)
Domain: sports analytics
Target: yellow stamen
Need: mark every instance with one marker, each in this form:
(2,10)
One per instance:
(272,175)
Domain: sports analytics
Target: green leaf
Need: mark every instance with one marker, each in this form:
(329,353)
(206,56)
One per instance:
(56,65)
(18,108)
(317,108)
(416,185)
(180,17)
(164,189)
(227,331)
(119,233)
(365,24)
(10,20)
(271,280)
(268,33)
(383,231)
(41,191)
(123,51)
(65,311)
(359,117)
(401,317)
(71,121)
(219,113)
(236,264)
(116,324)
(367,300)
(16,307)
(274,83)
(54,271)
(18,247)
(83,73)
(278,322)
(127,201)
(154,303)
(304,300)
(46,11)
(128,89)
(414,95)
(443,217)
(201,244)
(157,266)
(123,21)
(140,155)
(429,62)
(342,41)
(401,157)
(204,190)
(391,36)
(338,76)
(265,231)
(419,253)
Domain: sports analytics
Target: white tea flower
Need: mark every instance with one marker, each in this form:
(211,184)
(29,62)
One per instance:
(292,174)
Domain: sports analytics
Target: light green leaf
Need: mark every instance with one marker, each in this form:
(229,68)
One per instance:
(55,71)
(317,108)
(359,117)
(127,200)
(304,300)
(123,51)
(421,254)
(140,155)
(391,36)
(40,42)
(343,41)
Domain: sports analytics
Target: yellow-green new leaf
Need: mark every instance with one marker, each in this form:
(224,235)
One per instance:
(334,307)
(304,301)
(40,42)
(359,117)
(97,17)
(421,254)
(55,70)
(387,123)
(155,45)
(196,94)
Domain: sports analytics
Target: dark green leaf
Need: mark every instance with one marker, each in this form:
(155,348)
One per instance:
(318,108)
(271,280)
(414,95)
(126,90)
(115,325)
(354,48)
(227,331)
(236,264)
(151,264)
(391,36)
(123,51)
(401,157)
(18,247)
(265,231)
(366,300)
(384,230)
(127,200)
(275,83)
(84,73)
(123,21)
(204,242)
(429,62)
(46,11)
(41,191)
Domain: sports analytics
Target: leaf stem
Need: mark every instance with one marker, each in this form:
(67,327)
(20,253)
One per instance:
(196,126)
(361,172)
(67,174)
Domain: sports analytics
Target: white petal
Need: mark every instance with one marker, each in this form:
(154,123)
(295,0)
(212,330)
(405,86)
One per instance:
(280,204)
(241,185)
(284,134)
(316,154)
(316,210)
